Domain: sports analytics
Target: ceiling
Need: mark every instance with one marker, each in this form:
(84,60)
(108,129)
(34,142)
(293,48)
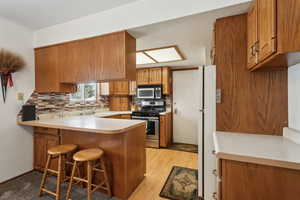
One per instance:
(193,35)
(37,14)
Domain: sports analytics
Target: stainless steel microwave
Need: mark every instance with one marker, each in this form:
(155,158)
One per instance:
(149,92)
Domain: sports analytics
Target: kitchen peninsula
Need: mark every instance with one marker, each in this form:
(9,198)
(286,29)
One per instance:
(123,142)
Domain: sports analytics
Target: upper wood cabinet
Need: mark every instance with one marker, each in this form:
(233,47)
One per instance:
(167,80)
(47,72)
(266,28)
(156,75)
(252,36)
(101,58)
(119,88)
(142,77)
(273,34)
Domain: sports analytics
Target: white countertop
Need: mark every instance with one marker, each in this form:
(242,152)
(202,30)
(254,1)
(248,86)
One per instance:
(87,124)
(259,149)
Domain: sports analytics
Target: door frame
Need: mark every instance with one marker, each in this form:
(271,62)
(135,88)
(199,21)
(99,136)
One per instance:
(172,100)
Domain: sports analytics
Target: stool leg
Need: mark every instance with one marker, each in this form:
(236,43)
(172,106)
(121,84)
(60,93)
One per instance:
(89,176)
(105,176)
(44,175)
(71,180)
(59,176)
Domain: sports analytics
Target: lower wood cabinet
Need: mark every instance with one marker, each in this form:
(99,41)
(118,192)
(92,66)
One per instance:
(240,180)
(166,135)
(43,140)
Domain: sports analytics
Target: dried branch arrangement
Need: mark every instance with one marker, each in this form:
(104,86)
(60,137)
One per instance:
(9,63)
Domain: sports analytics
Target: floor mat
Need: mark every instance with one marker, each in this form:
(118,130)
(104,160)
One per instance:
(182,184)
(184,147)
(27,187)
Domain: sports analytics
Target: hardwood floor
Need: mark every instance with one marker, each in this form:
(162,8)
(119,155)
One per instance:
(159,165)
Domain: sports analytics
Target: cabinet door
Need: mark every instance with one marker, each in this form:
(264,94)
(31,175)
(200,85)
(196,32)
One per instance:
(120,87)
(252,55)
(46,76)
(266,28)
(40,152)
(163,131)
(155,75)
(142,77)
(43,142)
(249,181)
(167,80)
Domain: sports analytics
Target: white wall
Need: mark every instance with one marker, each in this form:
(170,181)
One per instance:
(138,13)
(15,141)
(294,96)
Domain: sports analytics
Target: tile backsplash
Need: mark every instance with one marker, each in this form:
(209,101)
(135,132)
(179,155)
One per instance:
(57,103)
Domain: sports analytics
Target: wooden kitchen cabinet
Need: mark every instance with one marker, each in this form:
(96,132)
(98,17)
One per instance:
(119,87)
(101,58)
(167,80)
(277,26)
(266,28)
(155,75)
(165,130)
(252,56)
(142,77)
(47,72)
(43,140)
(240,180)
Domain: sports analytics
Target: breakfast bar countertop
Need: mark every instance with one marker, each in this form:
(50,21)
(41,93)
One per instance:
(87,124)
(278,151)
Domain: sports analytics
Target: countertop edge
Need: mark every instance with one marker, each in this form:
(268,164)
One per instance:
(106,132)
(252,159)
(257,160)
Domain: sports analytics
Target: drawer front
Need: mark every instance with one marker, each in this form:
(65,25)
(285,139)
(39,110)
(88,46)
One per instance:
(51,131)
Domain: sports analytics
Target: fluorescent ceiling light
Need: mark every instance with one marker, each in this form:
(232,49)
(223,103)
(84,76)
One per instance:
(164,55)
(142,59)
(159,55)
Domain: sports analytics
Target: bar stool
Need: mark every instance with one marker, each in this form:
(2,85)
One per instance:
(90,156)
(61,152)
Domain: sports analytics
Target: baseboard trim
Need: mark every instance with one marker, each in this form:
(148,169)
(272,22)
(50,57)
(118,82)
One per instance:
(16,177)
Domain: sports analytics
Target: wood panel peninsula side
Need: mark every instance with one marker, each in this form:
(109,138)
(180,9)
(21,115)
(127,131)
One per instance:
(123,142)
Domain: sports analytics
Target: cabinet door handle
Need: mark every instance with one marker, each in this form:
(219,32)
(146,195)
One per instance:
(256,47)
(253,50)
(213,152)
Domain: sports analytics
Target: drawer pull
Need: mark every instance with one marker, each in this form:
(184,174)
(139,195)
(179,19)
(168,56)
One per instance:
(213,152)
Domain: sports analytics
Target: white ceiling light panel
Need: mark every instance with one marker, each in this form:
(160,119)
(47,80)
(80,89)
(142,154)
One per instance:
(142,59)
(164,54)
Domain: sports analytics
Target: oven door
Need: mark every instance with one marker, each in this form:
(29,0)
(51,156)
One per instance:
(145,93)
(152,127)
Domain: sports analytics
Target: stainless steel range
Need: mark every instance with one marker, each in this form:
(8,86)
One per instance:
(150,112)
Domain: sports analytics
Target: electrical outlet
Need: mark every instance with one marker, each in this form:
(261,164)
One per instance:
(20,96)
